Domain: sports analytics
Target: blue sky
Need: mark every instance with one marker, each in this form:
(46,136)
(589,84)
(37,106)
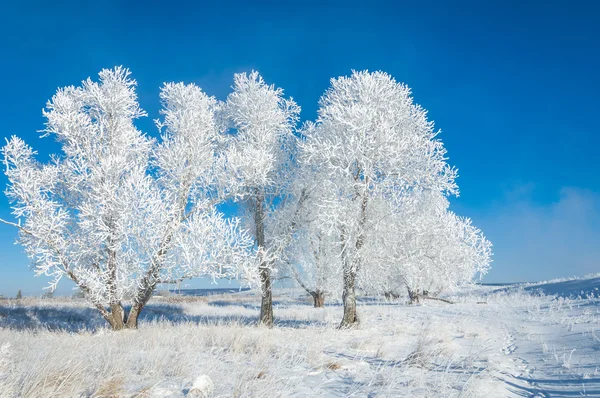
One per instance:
(513,85)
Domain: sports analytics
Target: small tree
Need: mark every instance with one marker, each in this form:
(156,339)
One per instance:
(313,262)
(375,144)
(260,152)
(19,295)
(450,254)
(312,254)
(428,249)
(118,212)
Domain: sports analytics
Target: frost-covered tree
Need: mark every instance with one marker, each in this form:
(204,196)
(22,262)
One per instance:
(428,249)
(262,124)
(450,254)
(314,262)
(116,212)
(374,143)
(311,255)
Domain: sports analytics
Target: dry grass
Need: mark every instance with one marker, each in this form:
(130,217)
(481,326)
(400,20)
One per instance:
(113,387)
(333,366)
(304,355)
(175,299)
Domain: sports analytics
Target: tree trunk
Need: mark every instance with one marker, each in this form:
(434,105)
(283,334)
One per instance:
(413,296)
(391,295)
(319,298)
(350,318)
(266,305)
(132,317)
(351,267)
(119,319)
(144,295)
(117,316)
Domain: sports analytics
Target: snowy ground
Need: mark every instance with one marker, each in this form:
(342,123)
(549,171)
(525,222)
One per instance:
(494,342)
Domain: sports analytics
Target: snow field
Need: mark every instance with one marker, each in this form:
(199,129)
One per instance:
(517,344)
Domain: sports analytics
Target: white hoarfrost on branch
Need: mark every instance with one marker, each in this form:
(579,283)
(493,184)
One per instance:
(117,212)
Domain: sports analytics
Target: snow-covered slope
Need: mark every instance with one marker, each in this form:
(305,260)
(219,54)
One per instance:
(572,287)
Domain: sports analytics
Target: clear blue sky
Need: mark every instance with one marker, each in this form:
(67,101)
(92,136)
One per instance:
(512,84)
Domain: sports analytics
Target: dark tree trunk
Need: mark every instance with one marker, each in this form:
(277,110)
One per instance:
(120,319)
(117,316)
(143,296)
(350,317)
(413,296)
(266,305)
(391,295)
(318,298)
(132,317)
